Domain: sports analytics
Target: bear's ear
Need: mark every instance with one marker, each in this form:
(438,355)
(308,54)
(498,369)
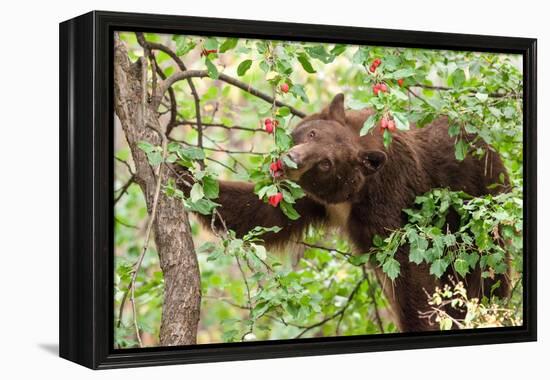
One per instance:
(336,110)
(372,160)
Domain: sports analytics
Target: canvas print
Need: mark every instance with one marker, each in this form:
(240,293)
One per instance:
(278,190)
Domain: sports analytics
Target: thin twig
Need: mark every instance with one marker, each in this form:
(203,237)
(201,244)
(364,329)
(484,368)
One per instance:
(335,315)
(491,95)
(124,188)
(183,75)
(222,164)
(228,151)
(220,125)
(309,245)
(372,295)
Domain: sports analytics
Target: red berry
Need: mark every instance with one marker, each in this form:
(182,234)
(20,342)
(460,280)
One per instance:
(269,125)
(383,87)
(276,169)
(273,167)
(384,123)
(391,126)
(372,68)
(400,82)
(284,87)
(376,62)
(274,200)
(376,88)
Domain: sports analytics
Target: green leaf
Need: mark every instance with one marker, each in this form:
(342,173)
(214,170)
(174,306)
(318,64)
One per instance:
(202,206)
(399,94)
(260,251)
(418,247)
(368,125)
(289,210)
(402,73)
(387,137)
(184,45)
(319,52)
(211,187)
(338,49)
(243,67)
(283,111)
(457,78)
(359,259)
(446,324)
(267,191)
(282,139)
(154,158)
(228,44)
(377,241)
(401,121)
(298,91)
(471,259)
(211,44)
(295,189)
(482,97)
(454,130)
(293,309)
(146,146)
(392,268)
(288,162)
(212,70)
(360,55)
(304,61)
(196,192)
(230,335)
(438,267)
(264,67)
(461,149)
(462,267)
(192,153)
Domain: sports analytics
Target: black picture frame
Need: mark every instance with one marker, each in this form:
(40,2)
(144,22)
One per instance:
(86,178)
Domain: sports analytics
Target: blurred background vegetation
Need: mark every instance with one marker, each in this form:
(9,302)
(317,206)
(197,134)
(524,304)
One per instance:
(314,287)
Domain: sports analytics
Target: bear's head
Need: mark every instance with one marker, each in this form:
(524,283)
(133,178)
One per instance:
(333,164)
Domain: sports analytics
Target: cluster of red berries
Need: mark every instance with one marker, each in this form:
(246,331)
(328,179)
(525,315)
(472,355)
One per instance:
(387,123)
(274,200)
(374,65)
(270,125)
(379,87)
(284,88)
(276,169)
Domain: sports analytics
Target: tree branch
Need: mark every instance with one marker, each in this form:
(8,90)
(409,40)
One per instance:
(491,95)
(183,75)
(220,125)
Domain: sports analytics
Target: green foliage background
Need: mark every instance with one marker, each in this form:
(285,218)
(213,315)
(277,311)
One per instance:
(309,290)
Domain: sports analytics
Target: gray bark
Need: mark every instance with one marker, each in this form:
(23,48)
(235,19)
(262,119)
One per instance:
(172,232)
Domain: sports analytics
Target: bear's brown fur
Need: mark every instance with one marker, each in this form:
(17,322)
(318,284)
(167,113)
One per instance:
(355,184)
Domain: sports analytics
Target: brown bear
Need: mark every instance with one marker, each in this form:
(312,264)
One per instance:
(354,183)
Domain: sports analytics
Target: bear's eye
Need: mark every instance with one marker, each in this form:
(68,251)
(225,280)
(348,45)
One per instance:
(324,165)
(311,134)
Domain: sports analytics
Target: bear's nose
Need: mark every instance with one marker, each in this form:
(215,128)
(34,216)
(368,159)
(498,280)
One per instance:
(294,157)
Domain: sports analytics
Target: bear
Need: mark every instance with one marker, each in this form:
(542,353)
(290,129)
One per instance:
(354,183)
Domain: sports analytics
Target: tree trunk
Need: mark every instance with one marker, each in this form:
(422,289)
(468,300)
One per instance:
(172,232)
